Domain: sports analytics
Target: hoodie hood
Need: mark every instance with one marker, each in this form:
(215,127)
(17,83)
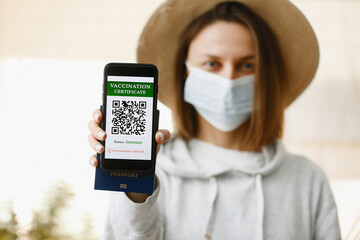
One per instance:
(198,159)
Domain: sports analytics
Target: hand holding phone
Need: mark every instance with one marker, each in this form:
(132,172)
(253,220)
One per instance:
(161,137)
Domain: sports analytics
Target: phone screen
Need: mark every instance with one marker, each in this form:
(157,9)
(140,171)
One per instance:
(129,114)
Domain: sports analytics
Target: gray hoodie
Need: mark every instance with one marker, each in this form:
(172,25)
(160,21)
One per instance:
(208,192)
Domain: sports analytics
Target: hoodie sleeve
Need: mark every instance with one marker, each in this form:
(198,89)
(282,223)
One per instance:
(327,223)
(133,221)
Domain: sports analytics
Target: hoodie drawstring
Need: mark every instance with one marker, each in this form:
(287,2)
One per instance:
(261,207)
(210,222)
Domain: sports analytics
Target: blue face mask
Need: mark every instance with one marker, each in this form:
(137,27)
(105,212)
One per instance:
(222,102)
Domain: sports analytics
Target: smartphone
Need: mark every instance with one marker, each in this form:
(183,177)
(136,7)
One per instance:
(129,117)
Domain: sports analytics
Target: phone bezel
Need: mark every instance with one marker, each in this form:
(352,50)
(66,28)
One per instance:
(130,69)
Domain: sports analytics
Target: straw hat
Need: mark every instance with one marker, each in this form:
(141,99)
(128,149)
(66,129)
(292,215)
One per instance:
(298,43)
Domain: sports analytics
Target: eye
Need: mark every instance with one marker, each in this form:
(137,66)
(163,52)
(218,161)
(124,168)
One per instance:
(211,64)
(248,66)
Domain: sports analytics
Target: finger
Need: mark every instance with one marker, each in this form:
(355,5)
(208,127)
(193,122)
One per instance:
(161,136)
(97,115)
(96,131)
(93,161)
(98,147)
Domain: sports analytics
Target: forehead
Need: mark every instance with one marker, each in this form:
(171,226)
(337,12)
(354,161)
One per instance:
(223,39)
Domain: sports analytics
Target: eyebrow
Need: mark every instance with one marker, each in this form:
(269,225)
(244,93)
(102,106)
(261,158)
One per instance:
(217,57)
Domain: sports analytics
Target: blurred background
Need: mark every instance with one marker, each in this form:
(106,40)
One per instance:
(52,55)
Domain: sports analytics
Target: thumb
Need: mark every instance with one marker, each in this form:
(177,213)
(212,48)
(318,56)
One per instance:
(161,136)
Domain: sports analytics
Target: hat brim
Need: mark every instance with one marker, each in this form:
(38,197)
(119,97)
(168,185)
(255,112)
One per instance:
(158,42)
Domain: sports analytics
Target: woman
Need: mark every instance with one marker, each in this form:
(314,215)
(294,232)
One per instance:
(227,70)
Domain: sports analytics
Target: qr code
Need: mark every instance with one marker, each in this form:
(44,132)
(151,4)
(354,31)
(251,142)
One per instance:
(128,117)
